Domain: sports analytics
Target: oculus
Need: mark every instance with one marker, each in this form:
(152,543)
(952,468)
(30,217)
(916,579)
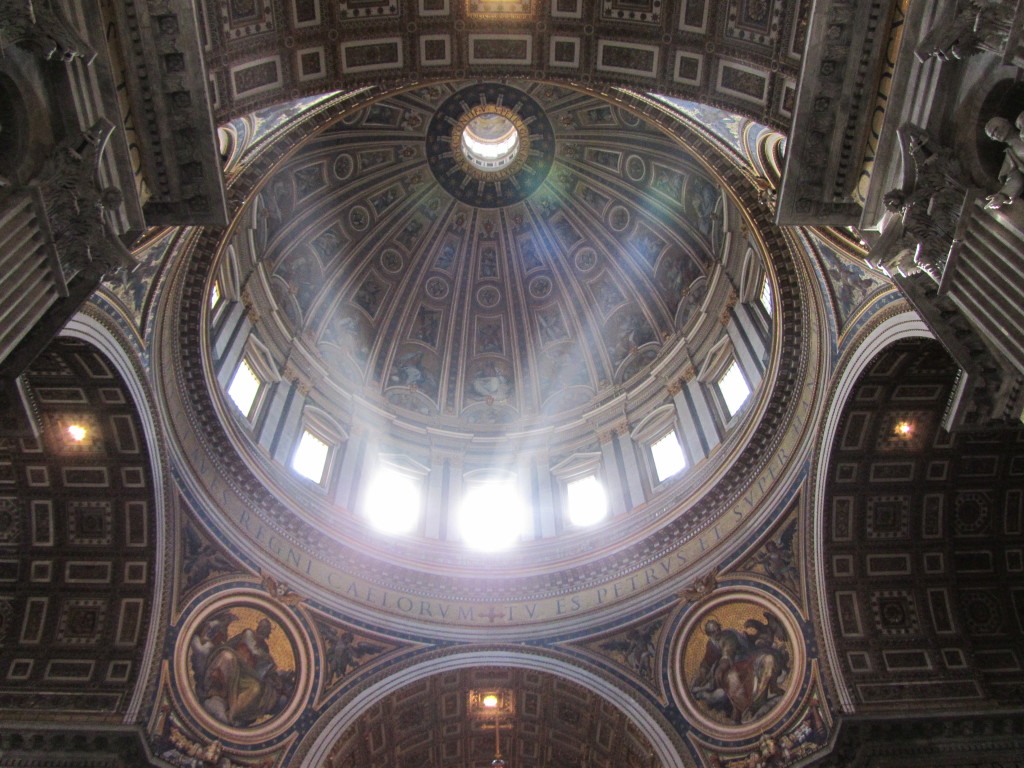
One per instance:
(490,141)
(490,145)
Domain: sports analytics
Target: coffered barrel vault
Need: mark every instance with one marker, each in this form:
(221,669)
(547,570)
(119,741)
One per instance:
(741,56)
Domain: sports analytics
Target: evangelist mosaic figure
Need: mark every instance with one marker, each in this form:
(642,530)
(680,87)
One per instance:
(742,673)
(236,676)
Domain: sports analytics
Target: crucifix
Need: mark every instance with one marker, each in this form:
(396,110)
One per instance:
(491,703)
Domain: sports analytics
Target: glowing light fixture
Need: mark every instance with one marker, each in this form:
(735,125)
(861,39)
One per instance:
(77,432)
(904,429)
(491,706)
(393,502)
(491,516)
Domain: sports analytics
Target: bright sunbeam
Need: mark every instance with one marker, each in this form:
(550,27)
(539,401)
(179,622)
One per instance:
(393,502)
(491,516)
(588,503)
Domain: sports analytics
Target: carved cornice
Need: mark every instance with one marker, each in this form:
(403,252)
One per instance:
(846,47)
(167,84)
(35,745)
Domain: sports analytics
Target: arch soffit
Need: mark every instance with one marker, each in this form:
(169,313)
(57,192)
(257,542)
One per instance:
(88,326)
(708,60)
(669,749)
(894,324)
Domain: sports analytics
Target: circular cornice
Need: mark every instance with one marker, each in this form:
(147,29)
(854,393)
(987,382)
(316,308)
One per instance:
(593,575)
(507,160)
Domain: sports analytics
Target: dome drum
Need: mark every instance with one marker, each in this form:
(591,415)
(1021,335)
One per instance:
(537,339)
(401,419)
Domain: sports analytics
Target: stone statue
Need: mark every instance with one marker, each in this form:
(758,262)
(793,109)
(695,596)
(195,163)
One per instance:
(75,204)
(43,27)
(1012,172)
(977,25)
(923,212)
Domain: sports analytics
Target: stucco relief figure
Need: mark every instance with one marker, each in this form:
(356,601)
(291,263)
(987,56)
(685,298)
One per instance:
(637,649)
(1011,175)
(742,672)
(976,25)
(44,27)
(236,676)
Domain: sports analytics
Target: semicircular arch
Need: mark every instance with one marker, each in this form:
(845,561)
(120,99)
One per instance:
(666,745)
(898,325)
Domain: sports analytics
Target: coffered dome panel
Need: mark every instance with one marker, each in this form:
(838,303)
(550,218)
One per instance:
(496,299)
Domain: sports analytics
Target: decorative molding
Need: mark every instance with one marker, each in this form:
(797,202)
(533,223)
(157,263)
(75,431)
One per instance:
(45,28)
(174,120)
(35,745)
(845,51)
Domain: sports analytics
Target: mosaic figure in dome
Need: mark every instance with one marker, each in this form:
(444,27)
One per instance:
(492,382)
(489,263)
(703,203)
(300,270)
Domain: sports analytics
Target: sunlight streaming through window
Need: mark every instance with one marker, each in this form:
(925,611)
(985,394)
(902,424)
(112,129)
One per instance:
(393,502)
(734,388)
(588,503)
(310,457)
(244,387)
(668,455)
(491,516)
(766,296)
